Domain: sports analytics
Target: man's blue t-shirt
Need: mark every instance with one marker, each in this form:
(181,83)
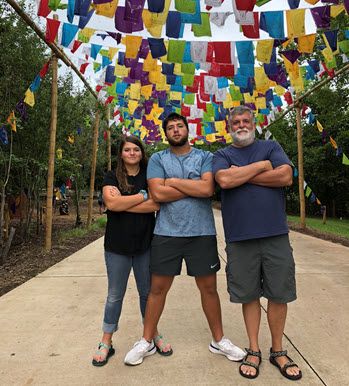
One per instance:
(189,216)
(251,211)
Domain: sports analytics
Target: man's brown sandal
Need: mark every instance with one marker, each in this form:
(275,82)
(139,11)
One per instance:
(245,362)
(287,365)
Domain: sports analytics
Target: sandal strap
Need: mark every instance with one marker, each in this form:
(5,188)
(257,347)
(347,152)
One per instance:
(253,353)
(103,345)
(251,364)
(275,354)
(163,344)
(289,364)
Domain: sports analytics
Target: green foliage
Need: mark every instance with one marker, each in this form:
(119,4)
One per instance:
(323,170)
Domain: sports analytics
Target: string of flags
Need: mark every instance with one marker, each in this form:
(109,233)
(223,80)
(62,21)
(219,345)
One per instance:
(153,71)
(21,106)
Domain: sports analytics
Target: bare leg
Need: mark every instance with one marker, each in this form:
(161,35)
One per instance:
(276,314)
(160,285)
(211,304)
(252,317)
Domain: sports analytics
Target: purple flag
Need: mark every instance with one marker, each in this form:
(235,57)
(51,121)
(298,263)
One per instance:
(3,135)
(321,16)
(291,55)
(144,49)
(133,10)
(122,25)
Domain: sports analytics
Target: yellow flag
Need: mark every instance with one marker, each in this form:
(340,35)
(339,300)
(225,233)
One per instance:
(328,54)
(336,10)
(133,44)
(71,139)
(228,138)
(175,96)
(121,70)
(135,91)
(279,90)
(177,69)
(107,9)
(306,43)
(333,143)
(220,127)
(59,153)
(87,32)
(261,80)
(319,126)
(211,137)
(150,64)
(312,1)
(261,103)
(295,22)
(29,98)
(132,105)
(11,120)
(112,52)
(264,50)
(154,76)
(146,91)
(228,103)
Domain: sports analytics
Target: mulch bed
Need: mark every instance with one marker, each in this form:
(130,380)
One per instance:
(28,259)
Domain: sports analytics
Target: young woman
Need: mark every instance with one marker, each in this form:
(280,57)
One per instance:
(129,230)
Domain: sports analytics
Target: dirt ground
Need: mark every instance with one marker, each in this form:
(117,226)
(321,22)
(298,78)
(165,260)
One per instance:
(26,260)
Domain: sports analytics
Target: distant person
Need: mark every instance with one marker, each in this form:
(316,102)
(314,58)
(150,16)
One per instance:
(100,203)
(129,231)
(252,175)
(180,179)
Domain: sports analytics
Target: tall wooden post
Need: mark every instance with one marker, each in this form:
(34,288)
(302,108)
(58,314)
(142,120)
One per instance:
(108,139)
(93,168)
(51,154)
(300,167)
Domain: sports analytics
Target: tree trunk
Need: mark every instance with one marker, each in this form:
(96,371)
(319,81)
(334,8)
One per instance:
(300,167)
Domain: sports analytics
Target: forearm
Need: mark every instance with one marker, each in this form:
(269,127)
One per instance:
(162,193)
(192,188)
(276,178)
(147,206)
(123,203)
(236,176)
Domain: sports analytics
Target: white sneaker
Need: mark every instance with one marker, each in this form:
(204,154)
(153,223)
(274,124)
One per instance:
(227,348)
(140,350)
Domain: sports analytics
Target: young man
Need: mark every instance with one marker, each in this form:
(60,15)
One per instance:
(252,175)
(180,179)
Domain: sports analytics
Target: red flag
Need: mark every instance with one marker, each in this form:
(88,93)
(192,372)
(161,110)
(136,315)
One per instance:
(83,67)
(252,31)
(43,9)
(76,45)
(109,99)
(51,29)
(288,98)
(44,70)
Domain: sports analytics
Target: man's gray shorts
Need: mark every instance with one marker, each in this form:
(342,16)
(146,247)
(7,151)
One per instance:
(261,267)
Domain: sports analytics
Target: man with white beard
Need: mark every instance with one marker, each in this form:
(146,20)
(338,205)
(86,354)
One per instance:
(252,174)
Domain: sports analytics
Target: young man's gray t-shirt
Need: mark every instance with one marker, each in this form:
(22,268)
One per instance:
(189,216)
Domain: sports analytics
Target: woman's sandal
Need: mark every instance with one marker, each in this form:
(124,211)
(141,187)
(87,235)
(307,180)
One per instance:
(287,365)
(161,345)
(245,362)
(110,352)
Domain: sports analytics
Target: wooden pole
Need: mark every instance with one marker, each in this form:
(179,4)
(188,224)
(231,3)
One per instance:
(108,139)
(51,154)
(300,167)
(93,168)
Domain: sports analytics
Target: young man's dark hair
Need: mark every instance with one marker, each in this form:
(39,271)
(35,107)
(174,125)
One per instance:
(174,117)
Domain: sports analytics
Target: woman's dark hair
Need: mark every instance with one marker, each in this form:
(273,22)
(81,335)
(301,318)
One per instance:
(121,172)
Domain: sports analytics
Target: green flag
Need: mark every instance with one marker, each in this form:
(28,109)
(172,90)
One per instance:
(345,160)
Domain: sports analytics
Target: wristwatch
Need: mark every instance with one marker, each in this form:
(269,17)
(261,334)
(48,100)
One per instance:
(145,194)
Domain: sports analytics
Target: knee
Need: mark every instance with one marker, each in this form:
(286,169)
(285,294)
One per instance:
(158,290)
(208,290)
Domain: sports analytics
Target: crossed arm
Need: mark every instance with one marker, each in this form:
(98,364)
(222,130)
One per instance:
(173,189)
(258,173)
(134,203)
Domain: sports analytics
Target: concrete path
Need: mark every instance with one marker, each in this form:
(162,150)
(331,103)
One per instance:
(50,326)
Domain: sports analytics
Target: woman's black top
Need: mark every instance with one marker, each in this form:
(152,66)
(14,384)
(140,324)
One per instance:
(128,233)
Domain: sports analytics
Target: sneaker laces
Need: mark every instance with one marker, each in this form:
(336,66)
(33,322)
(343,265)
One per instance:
(226,344)
(141,345)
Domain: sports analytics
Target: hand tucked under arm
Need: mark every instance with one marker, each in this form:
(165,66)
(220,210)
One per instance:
(116,202)
(162,193)
(203,187)
(276,178)
(236,176)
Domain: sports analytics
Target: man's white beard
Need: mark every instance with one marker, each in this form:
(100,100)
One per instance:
(243,140)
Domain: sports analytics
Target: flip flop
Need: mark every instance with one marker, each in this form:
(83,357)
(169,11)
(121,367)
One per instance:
(161,344)
(111,352)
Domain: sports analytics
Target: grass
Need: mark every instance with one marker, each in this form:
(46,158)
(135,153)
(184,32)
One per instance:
(79,232)
(333,226)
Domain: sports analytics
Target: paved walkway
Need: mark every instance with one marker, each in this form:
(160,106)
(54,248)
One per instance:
(49,326)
